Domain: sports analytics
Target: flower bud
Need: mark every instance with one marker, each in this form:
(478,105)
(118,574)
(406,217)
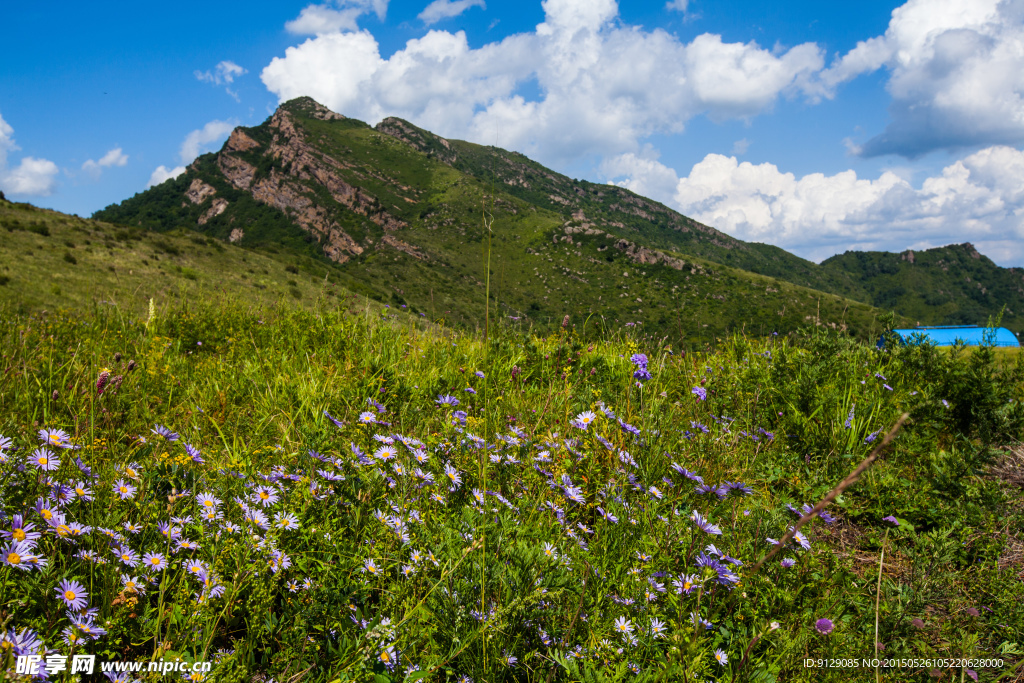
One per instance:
(101,381)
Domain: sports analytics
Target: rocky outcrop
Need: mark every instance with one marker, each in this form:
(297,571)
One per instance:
(285,187)
(292,200)
(236,235)
(401,246)
(425,142)
(645,256)
(637,254)
(317,111)
(198,191)
(239,173)
(218,207)
(240,142)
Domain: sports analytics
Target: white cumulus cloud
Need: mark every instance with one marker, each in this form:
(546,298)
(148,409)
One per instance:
(677,5)
(341,15)
(446,9)
(603,86)
(979,198)
(225,72)
(162,173)
(114,157)
(197,141)
(956,75)
(31,176)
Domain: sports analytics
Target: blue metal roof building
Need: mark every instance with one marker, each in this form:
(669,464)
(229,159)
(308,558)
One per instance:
(949,335)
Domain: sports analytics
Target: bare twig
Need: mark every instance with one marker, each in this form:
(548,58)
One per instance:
(850,480)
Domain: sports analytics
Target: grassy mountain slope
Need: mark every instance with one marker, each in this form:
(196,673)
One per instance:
(625,213)
(946,286)
(49,260)
(399,214)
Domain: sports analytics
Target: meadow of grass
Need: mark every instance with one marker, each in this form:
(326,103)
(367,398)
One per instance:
(334,496)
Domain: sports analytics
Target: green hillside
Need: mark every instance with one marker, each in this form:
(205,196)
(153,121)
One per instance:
(398,215)
(49,260)
(946,286)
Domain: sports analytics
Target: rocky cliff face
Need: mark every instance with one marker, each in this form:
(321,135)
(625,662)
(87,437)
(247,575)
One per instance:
(293,189)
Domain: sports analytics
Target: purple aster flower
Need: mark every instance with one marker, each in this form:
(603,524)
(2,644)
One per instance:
(194,453)
(55,438)
(787,563)
(452,474)
(704,525)
(740,487)
(16,555)
(73,594)
(21,531)
(585,418)
(124,490)
(45,509)
(279,561)
(286,520)
(628,428)
(160,430)
(479,374)
(337,424)
(801,540)
(45,460)
(168,531)
(824,626)
(388,657)
(23,643)
(265,496)
(699,392)
(127,556)
(82,491)
(154,561)
(207,502)
(892,520)
(447,400)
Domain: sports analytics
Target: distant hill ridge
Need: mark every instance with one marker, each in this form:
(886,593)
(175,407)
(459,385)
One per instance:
(398,214)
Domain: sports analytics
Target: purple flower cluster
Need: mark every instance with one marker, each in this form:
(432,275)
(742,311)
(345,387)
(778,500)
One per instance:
(640,361)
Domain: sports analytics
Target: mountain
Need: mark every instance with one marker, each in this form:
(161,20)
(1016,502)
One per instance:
(402,215)
(951,285)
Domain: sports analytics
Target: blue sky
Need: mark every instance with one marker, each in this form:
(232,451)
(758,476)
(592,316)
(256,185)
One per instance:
(819,127)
